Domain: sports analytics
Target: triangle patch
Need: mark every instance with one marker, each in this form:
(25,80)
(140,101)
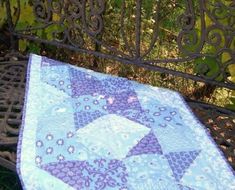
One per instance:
(147,145)
(181,161)
(82,118)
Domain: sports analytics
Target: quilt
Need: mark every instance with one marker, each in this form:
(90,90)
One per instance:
(85,130)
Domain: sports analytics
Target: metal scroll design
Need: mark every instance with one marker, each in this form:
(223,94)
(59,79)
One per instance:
(218,35)
(206,32)
(71,18)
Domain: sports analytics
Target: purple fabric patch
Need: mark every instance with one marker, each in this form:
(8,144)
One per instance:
(181,161)
(148,145)
(97,174)
(82,118)
(122,101)
(84,84)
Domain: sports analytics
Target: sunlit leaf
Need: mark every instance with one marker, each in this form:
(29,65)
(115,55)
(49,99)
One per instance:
(22,45)
(208,66)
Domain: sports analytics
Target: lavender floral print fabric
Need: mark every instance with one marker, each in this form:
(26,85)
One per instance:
(90,131)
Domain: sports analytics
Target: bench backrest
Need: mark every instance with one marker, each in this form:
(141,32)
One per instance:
(200,34)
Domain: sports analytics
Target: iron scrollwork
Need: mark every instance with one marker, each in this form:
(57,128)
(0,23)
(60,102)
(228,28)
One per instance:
(71,19)
(206,32)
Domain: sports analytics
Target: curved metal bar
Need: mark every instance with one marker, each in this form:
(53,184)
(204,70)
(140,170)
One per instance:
(189,30)
(7,164)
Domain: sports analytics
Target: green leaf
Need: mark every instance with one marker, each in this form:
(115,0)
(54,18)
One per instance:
(26,16)
(207,66)
(23,45)
(34,48)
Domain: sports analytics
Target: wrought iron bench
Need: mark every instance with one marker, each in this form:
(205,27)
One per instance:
(81,26)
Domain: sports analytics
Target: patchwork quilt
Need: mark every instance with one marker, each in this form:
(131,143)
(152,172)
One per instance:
(90,131)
